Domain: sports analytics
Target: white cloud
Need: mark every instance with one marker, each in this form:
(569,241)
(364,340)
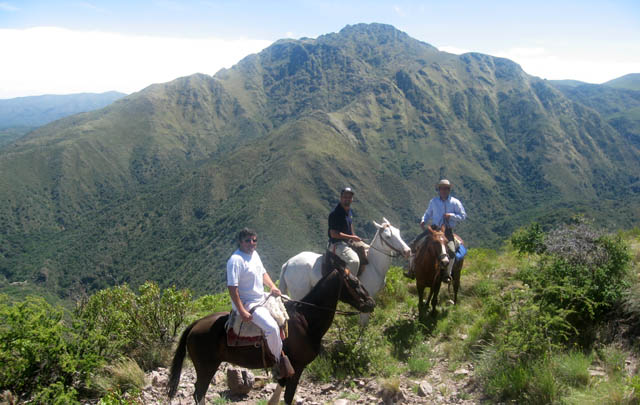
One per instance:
(8,7)
(557,65)
(49,60)
(562,65)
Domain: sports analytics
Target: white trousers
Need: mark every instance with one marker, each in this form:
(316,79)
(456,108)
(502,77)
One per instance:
(344,251)
(263,319)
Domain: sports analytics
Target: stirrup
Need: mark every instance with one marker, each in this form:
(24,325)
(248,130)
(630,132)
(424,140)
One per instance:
(282,368)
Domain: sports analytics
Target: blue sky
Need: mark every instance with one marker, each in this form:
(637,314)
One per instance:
(92,46)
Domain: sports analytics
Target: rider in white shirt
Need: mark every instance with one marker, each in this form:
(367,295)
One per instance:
(246,277)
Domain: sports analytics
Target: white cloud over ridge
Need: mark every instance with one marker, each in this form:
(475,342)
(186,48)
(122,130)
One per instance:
(50,60)
(555,65)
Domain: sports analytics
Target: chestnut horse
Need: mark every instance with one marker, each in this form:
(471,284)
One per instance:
(309,319)
(430,263)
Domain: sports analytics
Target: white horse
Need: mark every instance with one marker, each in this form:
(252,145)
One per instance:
(300,273)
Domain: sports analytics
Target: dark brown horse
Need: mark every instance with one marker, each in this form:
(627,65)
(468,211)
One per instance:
(206,342)
(430,262)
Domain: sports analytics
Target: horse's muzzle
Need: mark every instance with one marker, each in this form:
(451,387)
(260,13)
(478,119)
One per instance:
(368,306)
(444,259)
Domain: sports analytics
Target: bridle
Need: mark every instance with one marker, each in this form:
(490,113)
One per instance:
(344,284)
(371,246)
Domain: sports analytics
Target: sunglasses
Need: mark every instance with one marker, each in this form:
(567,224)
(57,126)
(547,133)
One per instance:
(250,240)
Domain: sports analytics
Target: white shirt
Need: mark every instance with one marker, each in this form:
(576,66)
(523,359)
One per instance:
(437,208)
(245,271)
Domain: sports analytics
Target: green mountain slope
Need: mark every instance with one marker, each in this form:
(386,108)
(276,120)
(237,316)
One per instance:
(629,82)
(620,107)
(156,185)
(19,116)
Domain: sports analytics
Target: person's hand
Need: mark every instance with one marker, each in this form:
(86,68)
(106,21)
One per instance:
(276,292)
(246,315)
(448,215)
(356,238)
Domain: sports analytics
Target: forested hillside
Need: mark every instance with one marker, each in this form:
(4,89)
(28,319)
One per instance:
(155,186)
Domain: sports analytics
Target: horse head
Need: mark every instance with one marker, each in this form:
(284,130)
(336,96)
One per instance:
(354,293)
(437,244)
(390,236)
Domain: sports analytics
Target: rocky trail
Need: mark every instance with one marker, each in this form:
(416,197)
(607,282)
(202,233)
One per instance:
(440,386)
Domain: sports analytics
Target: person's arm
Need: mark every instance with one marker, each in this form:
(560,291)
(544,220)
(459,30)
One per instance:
(428,214)
(235,297)
(459,213)
(341,235)
(336,234)
(266,279)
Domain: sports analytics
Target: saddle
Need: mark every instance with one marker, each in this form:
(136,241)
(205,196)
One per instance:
(242,333)
(331,261)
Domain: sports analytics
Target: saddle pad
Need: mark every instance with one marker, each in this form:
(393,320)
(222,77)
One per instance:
(241,333)
(235,340)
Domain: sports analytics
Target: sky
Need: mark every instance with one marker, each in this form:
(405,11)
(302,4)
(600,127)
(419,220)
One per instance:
(74,46)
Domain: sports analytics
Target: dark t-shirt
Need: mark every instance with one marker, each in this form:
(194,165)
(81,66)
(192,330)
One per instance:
(340,220)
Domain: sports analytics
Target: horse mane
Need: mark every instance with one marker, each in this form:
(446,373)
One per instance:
(422,247)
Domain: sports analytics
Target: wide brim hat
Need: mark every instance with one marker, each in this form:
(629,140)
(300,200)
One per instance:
(444,183)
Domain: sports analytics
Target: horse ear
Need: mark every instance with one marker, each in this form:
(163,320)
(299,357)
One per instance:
(385,220)
(377,225)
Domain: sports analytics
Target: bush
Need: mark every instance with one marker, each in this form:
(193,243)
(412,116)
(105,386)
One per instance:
(142,326)
(582,275)
(529,240)
(40,355)
(208,304)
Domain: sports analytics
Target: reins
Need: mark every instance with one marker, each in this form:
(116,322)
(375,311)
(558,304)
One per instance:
(337,311)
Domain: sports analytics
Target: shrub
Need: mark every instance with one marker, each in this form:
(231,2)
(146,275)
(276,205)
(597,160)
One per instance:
(142,326)
(36,356)
(529,240)
(582,275)
(208,304)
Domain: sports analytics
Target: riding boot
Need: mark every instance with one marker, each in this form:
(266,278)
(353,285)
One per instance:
(284,367)
(447,274)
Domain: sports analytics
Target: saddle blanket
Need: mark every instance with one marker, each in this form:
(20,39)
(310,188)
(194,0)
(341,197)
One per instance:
(241,333)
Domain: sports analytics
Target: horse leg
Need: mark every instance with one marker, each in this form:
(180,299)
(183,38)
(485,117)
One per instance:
(420,303)
(275,398)
(292,384)
(456,280)
(204,375)
(435,290)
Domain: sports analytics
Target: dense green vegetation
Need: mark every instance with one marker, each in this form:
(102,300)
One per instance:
(534,318)
(154,186)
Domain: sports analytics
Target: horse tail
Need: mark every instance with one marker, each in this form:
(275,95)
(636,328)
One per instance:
(283,282)
(176,364)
